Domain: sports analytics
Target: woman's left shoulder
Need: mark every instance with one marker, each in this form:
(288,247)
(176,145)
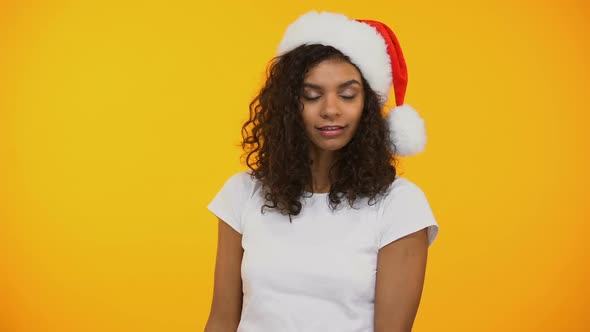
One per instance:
(404,185)
(405,209)
(401,181)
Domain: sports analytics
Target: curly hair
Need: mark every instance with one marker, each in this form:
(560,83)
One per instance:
(276,147)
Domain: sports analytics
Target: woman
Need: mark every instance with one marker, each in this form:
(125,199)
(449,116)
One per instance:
(322,234)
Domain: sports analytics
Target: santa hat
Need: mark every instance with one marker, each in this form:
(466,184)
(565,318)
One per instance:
(374,49)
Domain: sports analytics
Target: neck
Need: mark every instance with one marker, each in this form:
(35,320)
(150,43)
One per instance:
(320,169)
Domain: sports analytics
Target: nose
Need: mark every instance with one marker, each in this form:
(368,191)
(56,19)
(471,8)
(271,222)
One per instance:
(330,108)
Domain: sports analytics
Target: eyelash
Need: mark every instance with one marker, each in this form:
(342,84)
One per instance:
(318,97)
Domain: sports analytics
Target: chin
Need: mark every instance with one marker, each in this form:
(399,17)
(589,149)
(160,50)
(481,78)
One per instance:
(334,146)
(330,149)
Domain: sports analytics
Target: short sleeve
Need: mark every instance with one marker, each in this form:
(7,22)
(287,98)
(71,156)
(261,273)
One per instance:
(405,210)
(229,202)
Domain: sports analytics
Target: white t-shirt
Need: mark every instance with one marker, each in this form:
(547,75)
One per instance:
(318,272)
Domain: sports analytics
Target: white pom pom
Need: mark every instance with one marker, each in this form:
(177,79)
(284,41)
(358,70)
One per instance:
(407,130)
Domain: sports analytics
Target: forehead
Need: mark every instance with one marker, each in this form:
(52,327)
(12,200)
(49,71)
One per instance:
(332,72)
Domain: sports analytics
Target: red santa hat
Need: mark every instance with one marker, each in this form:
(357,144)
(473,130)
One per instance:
(374,49)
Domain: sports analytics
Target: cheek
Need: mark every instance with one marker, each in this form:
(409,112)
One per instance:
(307,116)
(357,113)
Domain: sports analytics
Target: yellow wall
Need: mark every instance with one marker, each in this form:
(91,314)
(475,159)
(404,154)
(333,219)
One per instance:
(119,122)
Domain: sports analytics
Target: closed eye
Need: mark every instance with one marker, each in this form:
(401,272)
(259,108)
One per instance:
(347,97)
(311,98)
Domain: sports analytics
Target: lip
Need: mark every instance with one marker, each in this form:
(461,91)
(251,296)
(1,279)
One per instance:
(330,133)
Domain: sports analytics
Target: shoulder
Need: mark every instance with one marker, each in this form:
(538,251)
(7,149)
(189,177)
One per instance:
(243,182)
(402,183)
(401,188)
(242,178)
(403,198)
(233,197)
(404,210)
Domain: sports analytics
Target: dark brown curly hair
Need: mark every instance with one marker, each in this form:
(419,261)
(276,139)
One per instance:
(276,146)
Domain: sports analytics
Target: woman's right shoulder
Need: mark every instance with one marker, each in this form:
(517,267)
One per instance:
(244,182)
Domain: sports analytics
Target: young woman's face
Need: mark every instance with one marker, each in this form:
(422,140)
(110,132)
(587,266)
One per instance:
(333,101)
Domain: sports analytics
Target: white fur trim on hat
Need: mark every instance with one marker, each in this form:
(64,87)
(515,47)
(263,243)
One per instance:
(359,41)
(407,130)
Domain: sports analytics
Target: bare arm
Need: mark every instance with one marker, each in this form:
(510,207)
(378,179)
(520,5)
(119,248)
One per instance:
(401,266)
(227,290)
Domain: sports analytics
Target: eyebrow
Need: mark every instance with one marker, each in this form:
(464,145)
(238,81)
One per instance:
(343,85)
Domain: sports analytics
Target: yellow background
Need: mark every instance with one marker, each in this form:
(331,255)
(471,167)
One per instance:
(119,121)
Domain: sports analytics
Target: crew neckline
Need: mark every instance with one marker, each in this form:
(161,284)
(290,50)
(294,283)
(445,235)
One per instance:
(315,194)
